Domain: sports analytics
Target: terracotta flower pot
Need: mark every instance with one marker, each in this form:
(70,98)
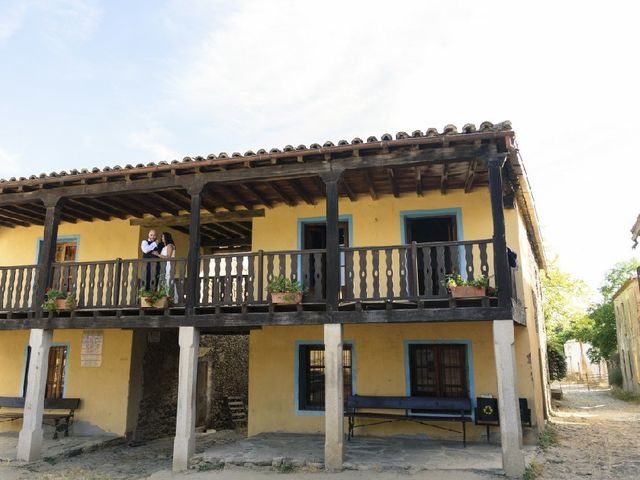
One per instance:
(161,304)
(467,291)
(61,304)
(286,298)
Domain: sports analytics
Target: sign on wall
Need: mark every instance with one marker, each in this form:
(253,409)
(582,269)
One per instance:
(91,352)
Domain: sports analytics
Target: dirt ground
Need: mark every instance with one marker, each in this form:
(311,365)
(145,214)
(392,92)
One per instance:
(599,437)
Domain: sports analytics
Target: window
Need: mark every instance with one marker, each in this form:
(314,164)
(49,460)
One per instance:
(55,372)
(311,376)
(438,370)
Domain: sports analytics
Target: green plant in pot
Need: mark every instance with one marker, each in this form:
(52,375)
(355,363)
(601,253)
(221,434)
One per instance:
(463,288)
(284,290)
(55,301)
(159,298)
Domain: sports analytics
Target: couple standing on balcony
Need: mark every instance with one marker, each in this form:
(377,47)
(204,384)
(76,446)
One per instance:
(165,250)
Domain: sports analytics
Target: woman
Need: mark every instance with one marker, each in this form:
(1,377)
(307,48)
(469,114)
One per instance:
(168,253)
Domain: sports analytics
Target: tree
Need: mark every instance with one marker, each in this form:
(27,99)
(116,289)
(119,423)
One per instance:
(557,361)
(565,301)
(601,332)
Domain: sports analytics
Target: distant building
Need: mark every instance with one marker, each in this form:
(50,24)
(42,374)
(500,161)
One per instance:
(626,302)
(579,366)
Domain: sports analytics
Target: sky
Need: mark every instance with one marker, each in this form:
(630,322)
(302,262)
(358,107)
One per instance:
(87,83)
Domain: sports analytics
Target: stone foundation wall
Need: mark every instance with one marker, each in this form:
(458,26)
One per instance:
(227,359)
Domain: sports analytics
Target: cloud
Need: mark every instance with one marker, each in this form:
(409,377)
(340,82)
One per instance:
(149,140)
(12,19)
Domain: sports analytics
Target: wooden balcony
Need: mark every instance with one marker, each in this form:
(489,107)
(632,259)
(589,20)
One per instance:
(377,284)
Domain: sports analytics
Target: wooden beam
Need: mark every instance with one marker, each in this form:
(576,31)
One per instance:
(167,205)
(302,192)
(241,226)
(205,218)
(348,190)
(147,206)
(232,194)
(192,287)
(501,264)
(78,213)
(444,178)
(282,194)
(405,158)
(394,184)
(256,319)
(419,189)
(468,183)
(258,194)
(113,209)
(372,190)
(19,219)
(53,207)
(178,198)
(235,232)
(217,199)
(88,208)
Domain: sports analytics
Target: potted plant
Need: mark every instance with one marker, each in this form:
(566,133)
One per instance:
(285,291)
(155,298)
(461,288)
(55,301)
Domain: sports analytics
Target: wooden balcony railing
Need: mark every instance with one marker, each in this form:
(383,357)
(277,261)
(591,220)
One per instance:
(414,272)
(17,287)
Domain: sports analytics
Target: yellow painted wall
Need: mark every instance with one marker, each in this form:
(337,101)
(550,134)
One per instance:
(103,390)
(375,222)
(99,240)
(379,364)
(626,304)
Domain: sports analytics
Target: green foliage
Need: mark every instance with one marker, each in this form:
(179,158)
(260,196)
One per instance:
(51,296)
(615,278)
(210,466)
(565,302)
(615,376)
(625,396)
(284,285)
(163,290)
(456,280)
(600,331)
(548,437)
(557,360)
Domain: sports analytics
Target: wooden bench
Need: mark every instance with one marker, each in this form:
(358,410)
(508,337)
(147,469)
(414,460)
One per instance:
(436,410)
(60,420)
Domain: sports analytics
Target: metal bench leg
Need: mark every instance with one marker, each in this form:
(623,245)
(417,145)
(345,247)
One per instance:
(464,434)
(55,428)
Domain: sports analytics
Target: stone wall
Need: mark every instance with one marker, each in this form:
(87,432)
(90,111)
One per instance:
(227,359)
(157,417)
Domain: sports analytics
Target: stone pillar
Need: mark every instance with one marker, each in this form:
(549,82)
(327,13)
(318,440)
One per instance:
(185,439)
(333,398)
(508,406)
(30,439)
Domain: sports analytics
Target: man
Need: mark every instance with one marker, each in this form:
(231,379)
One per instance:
(149,246)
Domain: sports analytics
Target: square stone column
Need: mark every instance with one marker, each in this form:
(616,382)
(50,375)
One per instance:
(508,405)
(30,439)
(185,440)
(333,398)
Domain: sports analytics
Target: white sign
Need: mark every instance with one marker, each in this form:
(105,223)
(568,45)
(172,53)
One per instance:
(91,352)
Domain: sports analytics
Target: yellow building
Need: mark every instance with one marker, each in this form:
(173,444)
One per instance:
(372,230)
(626,304)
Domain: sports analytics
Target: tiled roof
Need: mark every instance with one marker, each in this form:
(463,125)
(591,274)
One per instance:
(326,147)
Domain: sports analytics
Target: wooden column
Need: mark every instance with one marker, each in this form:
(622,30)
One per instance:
(501,264)
(333,239)
(48,251)
(192,286)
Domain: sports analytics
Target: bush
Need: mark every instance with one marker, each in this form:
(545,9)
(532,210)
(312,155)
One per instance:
(548,437)
(557,361)
(624,395)
(615,377)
